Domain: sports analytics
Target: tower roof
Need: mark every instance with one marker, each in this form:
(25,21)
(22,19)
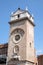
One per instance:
(21,15)
(18,11)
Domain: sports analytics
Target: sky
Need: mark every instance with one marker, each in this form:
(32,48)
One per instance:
(35,7)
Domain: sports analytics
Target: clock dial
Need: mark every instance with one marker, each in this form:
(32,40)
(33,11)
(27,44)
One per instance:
(17,36)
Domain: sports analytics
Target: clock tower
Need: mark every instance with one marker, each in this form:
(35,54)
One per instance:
(21,40)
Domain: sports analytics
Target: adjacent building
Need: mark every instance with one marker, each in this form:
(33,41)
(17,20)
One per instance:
(40,60)
(3,53)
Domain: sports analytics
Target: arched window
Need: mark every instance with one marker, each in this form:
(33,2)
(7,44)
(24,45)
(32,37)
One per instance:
(30,44)
(18,15)
(16,49)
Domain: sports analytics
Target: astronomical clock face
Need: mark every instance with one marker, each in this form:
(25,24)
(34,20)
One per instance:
(18,34)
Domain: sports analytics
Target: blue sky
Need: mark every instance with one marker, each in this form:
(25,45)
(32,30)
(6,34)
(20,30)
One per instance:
(35,7)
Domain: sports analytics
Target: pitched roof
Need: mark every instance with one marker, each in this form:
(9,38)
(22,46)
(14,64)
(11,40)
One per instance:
(18,11)
(3,45)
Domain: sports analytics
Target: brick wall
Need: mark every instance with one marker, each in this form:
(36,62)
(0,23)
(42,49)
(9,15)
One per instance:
(40,60)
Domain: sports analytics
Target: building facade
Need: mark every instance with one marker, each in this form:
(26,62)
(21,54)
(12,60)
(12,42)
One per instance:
(3,53)
(21,40)
(40,60)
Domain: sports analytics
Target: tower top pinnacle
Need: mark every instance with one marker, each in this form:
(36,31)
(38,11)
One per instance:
(26,8)
(18,8)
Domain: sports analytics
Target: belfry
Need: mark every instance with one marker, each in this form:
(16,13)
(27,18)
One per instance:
(21,40)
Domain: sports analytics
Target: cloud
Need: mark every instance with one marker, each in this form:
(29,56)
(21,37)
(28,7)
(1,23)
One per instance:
(38,52)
